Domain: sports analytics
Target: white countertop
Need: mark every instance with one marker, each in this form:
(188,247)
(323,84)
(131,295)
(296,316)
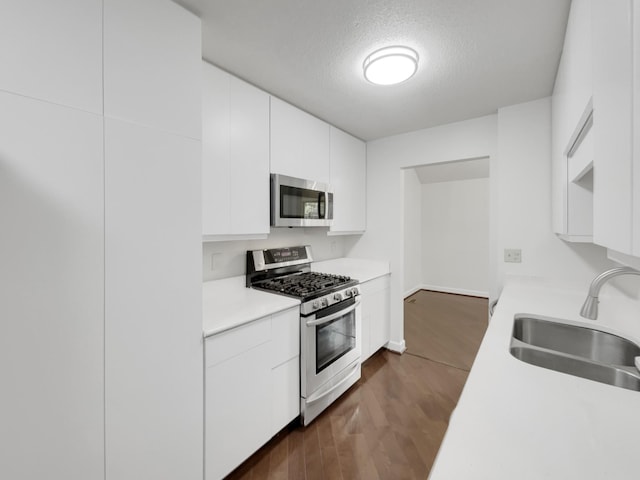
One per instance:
(520,421)
(361,270)
(228,304)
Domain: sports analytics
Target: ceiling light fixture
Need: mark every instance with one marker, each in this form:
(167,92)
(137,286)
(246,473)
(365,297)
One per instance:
(390,65)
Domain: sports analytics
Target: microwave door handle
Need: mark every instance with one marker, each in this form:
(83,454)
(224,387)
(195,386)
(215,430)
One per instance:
(321,205)
(330,318)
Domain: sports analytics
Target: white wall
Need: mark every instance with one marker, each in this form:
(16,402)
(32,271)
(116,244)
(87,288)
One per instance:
(412,232)
(455,236)
(517,140)
(523,207)
(228,259)
(384,238)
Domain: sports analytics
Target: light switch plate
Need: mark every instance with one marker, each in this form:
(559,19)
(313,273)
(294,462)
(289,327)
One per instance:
(512,255)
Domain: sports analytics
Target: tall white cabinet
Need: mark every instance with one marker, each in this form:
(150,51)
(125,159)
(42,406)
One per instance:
(51,291)
(153,319)
(101,332)
(153,327)
(52,51)
(152,65)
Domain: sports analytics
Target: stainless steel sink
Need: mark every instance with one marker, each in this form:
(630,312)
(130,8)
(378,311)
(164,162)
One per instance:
(579,351)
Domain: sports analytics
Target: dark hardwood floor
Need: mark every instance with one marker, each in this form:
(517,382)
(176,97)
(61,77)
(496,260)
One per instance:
(444,327)
(391,423)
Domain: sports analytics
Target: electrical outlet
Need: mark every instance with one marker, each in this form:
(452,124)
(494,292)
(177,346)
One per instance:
(512,255)
(216,261)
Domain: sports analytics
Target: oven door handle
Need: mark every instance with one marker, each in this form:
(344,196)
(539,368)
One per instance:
(330,318)
(321,394)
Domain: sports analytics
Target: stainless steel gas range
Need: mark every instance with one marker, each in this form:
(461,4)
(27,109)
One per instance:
(330,322)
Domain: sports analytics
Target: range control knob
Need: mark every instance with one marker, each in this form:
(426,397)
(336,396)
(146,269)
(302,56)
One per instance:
(337,297)
(325,302)
(354,291)
(348,292)
(315,305)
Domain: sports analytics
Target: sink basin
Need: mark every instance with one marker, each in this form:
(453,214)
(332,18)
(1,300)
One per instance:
(580,351)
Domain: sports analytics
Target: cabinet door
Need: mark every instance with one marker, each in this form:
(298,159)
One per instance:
(285,394)
(636,130)
(375,314)
(51,291)
(249,157)
(612,124)
(53,51)
(152,65)
(379,328)
(367,313)
(349,182)
(285,336)
(572,94)
(299,143)
(238,410)
(216,202)
(153,289)
(235,156)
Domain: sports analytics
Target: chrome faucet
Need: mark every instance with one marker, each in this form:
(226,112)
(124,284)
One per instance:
(590,307)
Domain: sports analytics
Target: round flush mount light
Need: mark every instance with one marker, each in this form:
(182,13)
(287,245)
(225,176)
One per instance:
(390,65)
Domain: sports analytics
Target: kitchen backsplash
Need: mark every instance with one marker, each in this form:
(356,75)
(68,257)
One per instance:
(227,259)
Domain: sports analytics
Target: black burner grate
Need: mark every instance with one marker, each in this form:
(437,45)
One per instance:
(303,284)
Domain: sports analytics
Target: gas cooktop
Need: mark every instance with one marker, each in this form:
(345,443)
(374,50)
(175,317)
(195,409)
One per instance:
(305,285)
(287,271)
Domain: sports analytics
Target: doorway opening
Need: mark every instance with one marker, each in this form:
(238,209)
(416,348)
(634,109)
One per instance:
(446,259)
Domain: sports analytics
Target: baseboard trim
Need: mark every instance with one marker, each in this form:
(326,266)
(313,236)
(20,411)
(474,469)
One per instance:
(397,347)
(408,293)
(457,291)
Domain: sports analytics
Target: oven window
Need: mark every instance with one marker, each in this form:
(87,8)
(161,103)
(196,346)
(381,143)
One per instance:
(334,339)
(300,203)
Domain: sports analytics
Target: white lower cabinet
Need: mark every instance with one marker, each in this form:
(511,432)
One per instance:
(252,388)
(375,315)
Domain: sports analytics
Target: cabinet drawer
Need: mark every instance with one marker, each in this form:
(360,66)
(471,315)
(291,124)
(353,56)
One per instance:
(285,336)
(225,345)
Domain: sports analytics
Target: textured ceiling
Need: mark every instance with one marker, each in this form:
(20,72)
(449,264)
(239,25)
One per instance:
(475,55)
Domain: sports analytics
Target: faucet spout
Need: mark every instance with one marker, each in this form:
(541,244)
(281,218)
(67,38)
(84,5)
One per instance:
(590,307)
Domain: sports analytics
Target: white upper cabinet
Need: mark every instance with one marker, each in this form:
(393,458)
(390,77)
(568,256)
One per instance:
(51,291)
(300,143)
(348,180)
(235,156)
(53,51)
(571,107)
(613,65)
(152,64)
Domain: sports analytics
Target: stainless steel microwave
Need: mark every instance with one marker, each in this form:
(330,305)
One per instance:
(296,202)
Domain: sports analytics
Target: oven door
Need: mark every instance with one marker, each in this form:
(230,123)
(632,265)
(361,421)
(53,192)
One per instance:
(331,342)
